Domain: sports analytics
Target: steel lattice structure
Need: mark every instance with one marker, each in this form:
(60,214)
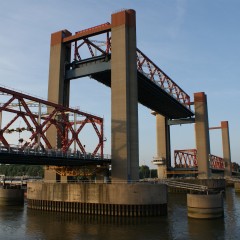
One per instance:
(216,162)
(188,159)
(85,47)
(185,158)
(67,121)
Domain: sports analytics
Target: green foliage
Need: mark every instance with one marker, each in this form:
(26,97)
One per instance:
(146,172)
(154,173)
(12,170)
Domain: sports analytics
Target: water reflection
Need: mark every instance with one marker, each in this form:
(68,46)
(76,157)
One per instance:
(206,229)
(22,223)
(232,213)
(12,222)
(73,226)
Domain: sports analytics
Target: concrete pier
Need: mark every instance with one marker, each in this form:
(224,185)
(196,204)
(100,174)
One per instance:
(123,199)
(205,206)
(237,187)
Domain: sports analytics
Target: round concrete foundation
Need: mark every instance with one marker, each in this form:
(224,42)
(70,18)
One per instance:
(114,199)
(237,186)
(205,206)
(11,196)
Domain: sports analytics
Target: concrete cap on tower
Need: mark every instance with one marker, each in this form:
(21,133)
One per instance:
(224,124)
(57,37)
(125,17)
(200,97)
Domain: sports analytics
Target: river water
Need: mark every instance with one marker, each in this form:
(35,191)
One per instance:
(22,223)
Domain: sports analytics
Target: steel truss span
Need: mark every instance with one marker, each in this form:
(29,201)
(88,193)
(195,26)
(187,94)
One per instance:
(38,116)
(188,159)
(92,53)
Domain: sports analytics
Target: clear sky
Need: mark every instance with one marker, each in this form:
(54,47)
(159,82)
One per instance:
(196,42)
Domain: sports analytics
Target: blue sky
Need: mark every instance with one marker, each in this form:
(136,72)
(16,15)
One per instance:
(195,42)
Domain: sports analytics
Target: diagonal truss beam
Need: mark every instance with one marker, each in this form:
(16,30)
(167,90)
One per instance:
(37,124)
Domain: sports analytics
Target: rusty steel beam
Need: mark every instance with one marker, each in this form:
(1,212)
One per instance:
(89,32)
(213,128)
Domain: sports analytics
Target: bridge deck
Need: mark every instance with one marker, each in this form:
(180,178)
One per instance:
(149,93)
(50,157)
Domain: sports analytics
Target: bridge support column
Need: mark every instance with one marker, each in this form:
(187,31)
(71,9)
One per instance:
(58,89)
(51,175)
(163,159)
(202,134)
(226,149)
(124,100)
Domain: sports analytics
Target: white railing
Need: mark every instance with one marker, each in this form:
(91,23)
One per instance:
(185,185)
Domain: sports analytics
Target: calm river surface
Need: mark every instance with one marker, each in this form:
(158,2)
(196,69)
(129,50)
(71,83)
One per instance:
(22,223)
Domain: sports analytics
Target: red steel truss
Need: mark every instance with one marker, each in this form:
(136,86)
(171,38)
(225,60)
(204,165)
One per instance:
(185,158)
(155,74)
(68,122)
(85,48)
(188,159)
(216,162)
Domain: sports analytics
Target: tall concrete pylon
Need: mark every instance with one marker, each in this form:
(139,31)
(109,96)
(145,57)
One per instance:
(226,149)
(58,89)
(124,100)
(163,159)
(202,135)
(124,97)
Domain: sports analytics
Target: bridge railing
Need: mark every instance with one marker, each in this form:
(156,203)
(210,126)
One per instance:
(14,149)
(185,185)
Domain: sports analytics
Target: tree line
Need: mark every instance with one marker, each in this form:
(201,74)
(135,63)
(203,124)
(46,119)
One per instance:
(13,170)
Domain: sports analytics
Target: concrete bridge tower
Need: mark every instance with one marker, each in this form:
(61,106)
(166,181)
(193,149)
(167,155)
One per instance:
(125,159)
(226,149)
(202,135)
(125,153)
(163,158)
